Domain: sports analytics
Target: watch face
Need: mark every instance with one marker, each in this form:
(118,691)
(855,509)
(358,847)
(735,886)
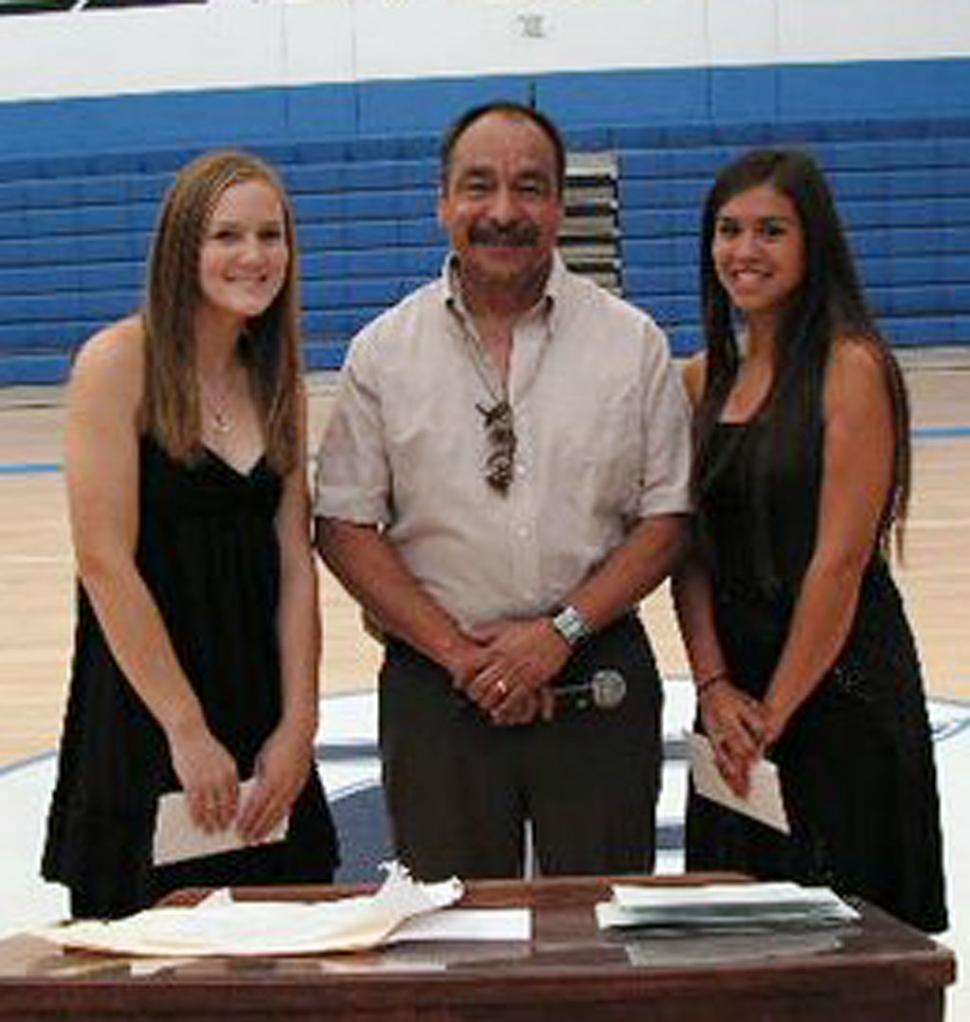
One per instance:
(570,625)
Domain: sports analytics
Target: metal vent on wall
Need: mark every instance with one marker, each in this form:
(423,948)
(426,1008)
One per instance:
(590,237)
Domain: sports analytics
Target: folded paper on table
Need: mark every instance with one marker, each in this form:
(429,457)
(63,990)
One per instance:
(221,926)
(178,837)
(764,800)
(740,904)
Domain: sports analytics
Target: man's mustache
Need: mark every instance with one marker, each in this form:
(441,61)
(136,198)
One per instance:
(517,235)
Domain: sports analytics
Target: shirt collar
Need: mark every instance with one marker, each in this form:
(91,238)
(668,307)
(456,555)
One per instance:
(551,296)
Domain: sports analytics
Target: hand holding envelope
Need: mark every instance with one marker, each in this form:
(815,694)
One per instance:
(763,800)
(178,837)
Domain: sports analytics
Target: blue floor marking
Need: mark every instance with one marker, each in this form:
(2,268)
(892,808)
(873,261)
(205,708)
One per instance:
(42,468)
(941,433)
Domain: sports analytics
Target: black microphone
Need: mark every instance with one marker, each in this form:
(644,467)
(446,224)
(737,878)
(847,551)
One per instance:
(605,690)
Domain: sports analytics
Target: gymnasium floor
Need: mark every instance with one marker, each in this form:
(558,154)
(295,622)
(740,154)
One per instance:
(36,615)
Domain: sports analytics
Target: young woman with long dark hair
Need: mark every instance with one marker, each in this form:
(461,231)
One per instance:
(795,631)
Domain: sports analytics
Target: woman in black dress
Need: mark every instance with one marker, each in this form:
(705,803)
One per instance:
(198,639)
(795,631)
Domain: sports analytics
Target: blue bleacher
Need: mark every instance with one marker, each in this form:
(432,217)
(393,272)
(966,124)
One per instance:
(75,230)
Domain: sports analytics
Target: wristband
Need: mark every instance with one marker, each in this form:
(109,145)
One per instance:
(712,679)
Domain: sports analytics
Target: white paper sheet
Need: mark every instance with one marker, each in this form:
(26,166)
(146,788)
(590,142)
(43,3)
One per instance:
(177,837)
(489,924)
(764,800)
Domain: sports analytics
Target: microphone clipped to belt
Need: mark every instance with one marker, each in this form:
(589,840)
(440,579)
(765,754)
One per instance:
(605,690)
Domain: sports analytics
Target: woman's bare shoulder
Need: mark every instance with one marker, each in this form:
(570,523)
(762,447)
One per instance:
(694,372)
(111,362)
(118,343)
(857,382)
(857,361)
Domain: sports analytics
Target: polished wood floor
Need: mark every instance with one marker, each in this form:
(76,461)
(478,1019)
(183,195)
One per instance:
(36,585)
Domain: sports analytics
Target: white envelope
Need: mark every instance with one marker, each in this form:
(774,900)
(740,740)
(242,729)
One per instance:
(178,838)
(764,800)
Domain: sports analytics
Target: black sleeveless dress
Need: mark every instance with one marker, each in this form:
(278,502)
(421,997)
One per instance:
(208,551)
(856,761)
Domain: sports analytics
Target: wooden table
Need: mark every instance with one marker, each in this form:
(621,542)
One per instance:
(876,970)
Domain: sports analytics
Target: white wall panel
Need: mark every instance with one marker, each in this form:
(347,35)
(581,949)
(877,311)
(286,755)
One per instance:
(422,38)
(233,43)
(742,32)
(837,30)
(320,42)
(103,52)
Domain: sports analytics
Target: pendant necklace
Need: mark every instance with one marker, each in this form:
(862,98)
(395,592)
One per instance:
(222,421)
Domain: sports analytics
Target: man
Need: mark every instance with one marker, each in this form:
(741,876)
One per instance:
(504,476)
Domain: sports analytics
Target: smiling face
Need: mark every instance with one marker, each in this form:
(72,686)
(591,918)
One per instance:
(501,206)
(244,253)
(759,251)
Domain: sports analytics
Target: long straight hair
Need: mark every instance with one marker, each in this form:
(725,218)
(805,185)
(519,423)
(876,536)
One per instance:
(827,305)
(268,347)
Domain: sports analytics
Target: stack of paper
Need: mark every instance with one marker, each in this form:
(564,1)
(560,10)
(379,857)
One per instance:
(722,905)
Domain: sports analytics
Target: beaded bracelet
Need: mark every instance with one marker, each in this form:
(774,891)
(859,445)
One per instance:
(712,679)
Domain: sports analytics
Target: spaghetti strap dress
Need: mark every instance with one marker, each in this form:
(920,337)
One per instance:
(208,552)
(856,762)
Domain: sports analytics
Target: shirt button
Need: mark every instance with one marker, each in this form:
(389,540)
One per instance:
(524,531)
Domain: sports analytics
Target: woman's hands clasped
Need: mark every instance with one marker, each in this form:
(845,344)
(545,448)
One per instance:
(210,780)
(738,729)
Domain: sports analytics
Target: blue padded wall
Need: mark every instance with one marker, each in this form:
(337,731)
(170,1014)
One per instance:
(342,114)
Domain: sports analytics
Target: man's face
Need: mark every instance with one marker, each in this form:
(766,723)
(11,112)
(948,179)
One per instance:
(501,204)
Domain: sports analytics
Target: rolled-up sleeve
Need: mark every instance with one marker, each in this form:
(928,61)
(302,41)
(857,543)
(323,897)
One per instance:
(666,428)
(352,475)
